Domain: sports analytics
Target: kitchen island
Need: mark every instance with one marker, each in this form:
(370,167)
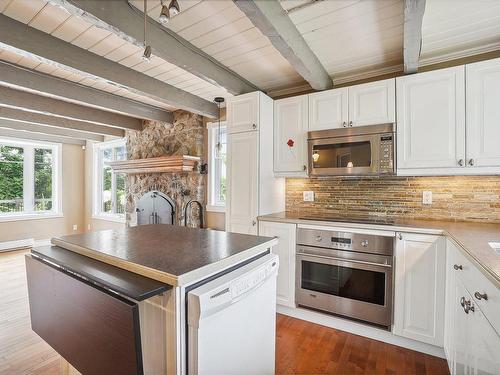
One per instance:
(132,286)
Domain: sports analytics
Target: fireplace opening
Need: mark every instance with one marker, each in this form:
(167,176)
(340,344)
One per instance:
(154,207)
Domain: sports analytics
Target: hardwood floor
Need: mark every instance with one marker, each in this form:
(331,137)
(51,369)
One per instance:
(310,349)
(302,347)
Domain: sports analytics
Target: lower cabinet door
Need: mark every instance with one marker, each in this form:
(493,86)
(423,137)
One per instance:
(485,358)
(419,290)
(285,250)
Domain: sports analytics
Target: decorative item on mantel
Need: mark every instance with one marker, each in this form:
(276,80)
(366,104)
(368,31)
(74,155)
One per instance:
(162,164)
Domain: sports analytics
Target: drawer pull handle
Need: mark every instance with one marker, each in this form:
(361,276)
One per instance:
(480,296)
(457,267)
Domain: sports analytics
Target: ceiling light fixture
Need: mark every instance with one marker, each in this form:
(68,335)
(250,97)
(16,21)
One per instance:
(146,56)
(174,8)
(164,14)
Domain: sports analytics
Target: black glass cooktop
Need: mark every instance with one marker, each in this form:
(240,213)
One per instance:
(347,219)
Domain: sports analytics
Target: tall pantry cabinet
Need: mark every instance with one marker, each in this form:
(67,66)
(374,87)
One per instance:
(252,188)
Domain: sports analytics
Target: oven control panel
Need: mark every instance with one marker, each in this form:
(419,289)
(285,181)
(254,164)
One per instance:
(386,152)
(347,241)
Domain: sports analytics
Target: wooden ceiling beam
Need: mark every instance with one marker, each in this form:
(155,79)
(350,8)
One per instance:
(413,16)
(50,130)
(59,122)
(41,104)
(124,20)
(9,133)
(272,21)
(34,43)
(19,77)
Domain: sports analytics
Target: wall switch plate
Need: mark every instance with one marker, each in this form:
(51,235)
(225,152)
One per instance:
(427,197)
(75,227)
(308,196)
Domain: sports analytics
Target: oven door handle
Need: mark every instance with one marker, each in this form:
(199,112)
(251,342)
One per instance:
(346,260)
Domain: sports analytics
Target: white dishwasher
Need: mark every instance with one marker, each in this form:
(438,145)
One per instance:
(232,322)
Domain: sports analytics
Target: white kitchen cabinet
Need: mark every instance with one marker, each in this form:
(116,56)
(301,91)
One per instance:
(243,112)
(290,136)
(483,114)
(252,188)
(420,287)
(328,109)
(472,338)
(285,250)
(243,194)
(431,121)
(372,103)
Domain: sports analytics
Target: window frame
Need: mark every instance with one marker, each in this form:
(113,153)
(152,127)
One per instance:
(97,212)
(213,172)
(29,212)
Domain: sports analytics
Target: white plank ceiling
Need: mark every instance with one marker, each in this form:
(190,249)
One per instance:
(453,29)
(353,39)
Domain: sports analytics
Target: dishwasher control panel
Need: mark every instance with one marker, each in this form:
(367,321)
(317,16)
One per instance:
(249,281)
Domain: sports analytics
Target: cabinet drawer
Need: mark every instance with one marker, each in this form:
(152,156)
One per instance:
(476,283)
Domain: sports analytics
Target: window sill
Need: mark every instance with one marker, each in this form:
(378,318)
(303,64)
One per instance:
(211,208)
(31,216)
(115,219)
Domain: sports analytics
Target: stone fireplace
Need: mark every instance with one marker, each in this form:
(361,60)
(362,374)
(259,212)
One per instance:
(182,137)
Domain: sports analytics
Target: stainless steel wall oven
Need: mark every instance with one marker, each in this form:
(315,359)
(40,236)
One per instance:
(346,273)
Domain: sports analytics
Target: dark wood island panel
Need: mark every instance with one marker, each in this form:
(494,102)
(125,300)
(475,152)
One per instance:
(98,333)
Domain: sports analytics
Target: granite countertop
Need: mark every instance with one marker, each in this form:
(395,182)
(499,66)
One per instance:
(472,237)
(175,255)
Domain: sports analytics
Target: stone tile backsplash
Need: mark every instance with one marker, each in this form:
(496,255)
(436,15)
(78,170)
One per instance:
(460,198)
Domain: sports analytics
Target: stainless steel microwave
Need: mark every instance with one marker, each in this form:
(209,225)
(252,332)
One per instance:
(354,151)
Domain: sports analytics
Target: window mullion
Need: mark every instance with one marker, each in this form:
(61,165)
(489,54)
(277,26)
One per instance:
(29,179)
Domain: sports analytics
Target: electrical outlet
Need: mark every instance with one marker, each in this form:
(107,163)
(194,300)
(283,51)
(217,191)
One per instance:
(88,227)
(308,196)
(427,197)
(75,227)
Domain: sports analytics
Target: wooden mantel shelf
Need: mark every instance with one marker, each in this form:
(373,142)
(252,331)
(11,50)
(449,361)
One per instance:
(162,164)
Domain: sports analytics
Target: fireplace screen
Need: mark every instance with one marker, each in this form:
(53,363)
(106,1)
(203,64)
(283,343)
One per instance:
(154,207)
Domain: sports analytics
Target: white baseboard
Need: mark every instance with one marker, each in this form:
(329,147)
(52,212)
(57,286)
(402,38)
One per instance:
(45,242)
(17,244)
(361,330)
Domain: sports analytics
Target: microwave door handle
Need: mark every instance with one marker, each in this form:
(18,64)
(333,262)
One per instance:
(347,260)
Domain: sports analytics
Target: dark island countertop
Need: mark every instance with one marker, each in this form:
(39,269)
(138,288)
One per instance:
(175,255)
(472,237)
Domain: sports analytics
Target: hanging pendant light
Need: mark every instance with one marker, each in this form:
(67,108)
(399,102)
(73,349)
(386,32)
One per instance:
(218,147)
(174,8)
(146,56)
(164,14)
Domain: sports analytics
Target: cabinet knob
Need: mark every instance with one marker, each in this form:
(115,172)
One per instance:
(344,124)
(254,126)
(457,267)
(471,162)
(304,167)
(461,162)
(400,236)
(254,223)
(350,123)
(480,296)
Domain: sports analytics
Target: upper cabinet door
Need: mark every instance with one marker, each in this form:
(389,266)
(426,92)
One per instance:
(290,135)
(372,103)
(328,109)
(243,186)
(431,119)
(483,114)
(243,113)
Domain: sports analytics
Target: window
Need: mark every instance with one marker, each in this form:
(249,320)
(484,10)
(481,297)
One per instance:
(109,191)
(30,180)
(216,168)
